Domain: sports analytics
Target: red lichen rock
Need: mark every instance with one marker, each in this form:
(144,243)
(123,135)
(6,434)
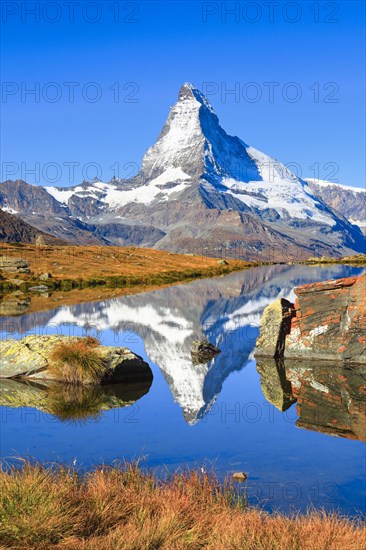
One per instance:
(328,321)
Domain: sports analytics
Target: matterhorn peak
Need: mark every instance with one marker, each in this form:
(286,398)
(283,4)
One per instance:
(187,91)
(193,141)
(181,141)
(190,92)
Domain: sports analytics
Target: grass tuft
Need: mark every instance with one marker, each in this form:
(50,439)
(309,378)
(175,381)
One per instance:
(77,362)
(124,508)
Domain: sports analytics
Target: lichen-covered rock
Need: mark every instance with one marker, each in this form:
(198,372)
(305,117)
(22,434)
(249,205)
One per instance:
(328,321)
(45,276)
(274,326)
(31,357)
(17,359)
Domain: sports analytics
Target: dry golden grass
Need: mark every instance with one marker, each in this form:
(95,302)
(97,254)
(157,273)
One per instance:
(122,508)
(85,262)
(77,362)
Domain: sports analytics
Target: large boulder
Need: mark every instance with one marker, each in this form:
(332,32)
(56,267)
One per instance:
(31,358)
(275,324)
(327,321)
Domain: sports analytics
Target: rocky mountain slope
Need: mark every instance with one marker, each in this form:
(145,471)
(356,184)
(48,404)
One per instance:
(15,230)
(198,189)
(349,201)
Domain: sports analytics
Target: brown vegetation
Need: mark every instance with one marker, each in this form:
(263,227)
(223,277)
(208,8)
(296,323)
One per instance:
(91,273)
(85,262)
(77,362)
(126,509)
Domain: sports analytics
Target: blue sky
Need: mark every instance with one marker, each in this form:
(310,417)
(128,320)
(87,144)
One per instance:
(310,51)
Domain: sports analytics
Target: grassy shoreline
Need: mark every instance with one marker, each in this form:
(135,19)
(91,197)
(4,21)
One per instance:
(124,508)
(91,273)
(355,260)
(71,268)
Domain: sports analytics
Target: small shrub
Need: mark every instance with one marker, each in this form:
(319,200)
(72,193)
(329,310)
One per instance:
(77,362)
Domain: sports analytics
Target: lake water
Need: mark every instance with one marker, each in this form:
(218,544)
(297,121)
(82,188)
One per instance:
(222,414)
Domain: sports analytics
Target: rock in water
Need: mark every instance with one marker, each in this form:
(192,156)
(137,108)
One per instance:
(240,476)
(275,324)
(328,322)
(31,358)
(202,351)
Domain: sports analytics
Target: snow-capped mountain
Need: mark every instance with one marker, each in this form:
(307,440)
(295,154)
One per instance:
(349,201)
(199,188)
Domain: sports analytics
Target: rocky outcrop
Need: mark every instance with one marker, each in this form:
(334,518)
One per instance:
(34,206)
(278,314)
(31,358)
(328,321)
(328,400)
(8,264)
(129,234)
(15,230)
(350,202)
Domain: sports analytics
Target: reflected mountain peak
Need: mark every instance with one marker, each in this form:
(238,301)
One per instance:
(226,311)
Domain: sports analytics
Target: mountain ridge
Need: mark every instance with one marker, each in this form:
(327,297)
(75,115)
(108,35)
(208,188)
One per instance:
(14,230)
(201,189)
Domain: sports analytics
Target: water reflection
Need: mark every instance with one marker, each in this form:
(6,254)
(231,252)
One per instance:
(330,397)
(69,402)
(226,311)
